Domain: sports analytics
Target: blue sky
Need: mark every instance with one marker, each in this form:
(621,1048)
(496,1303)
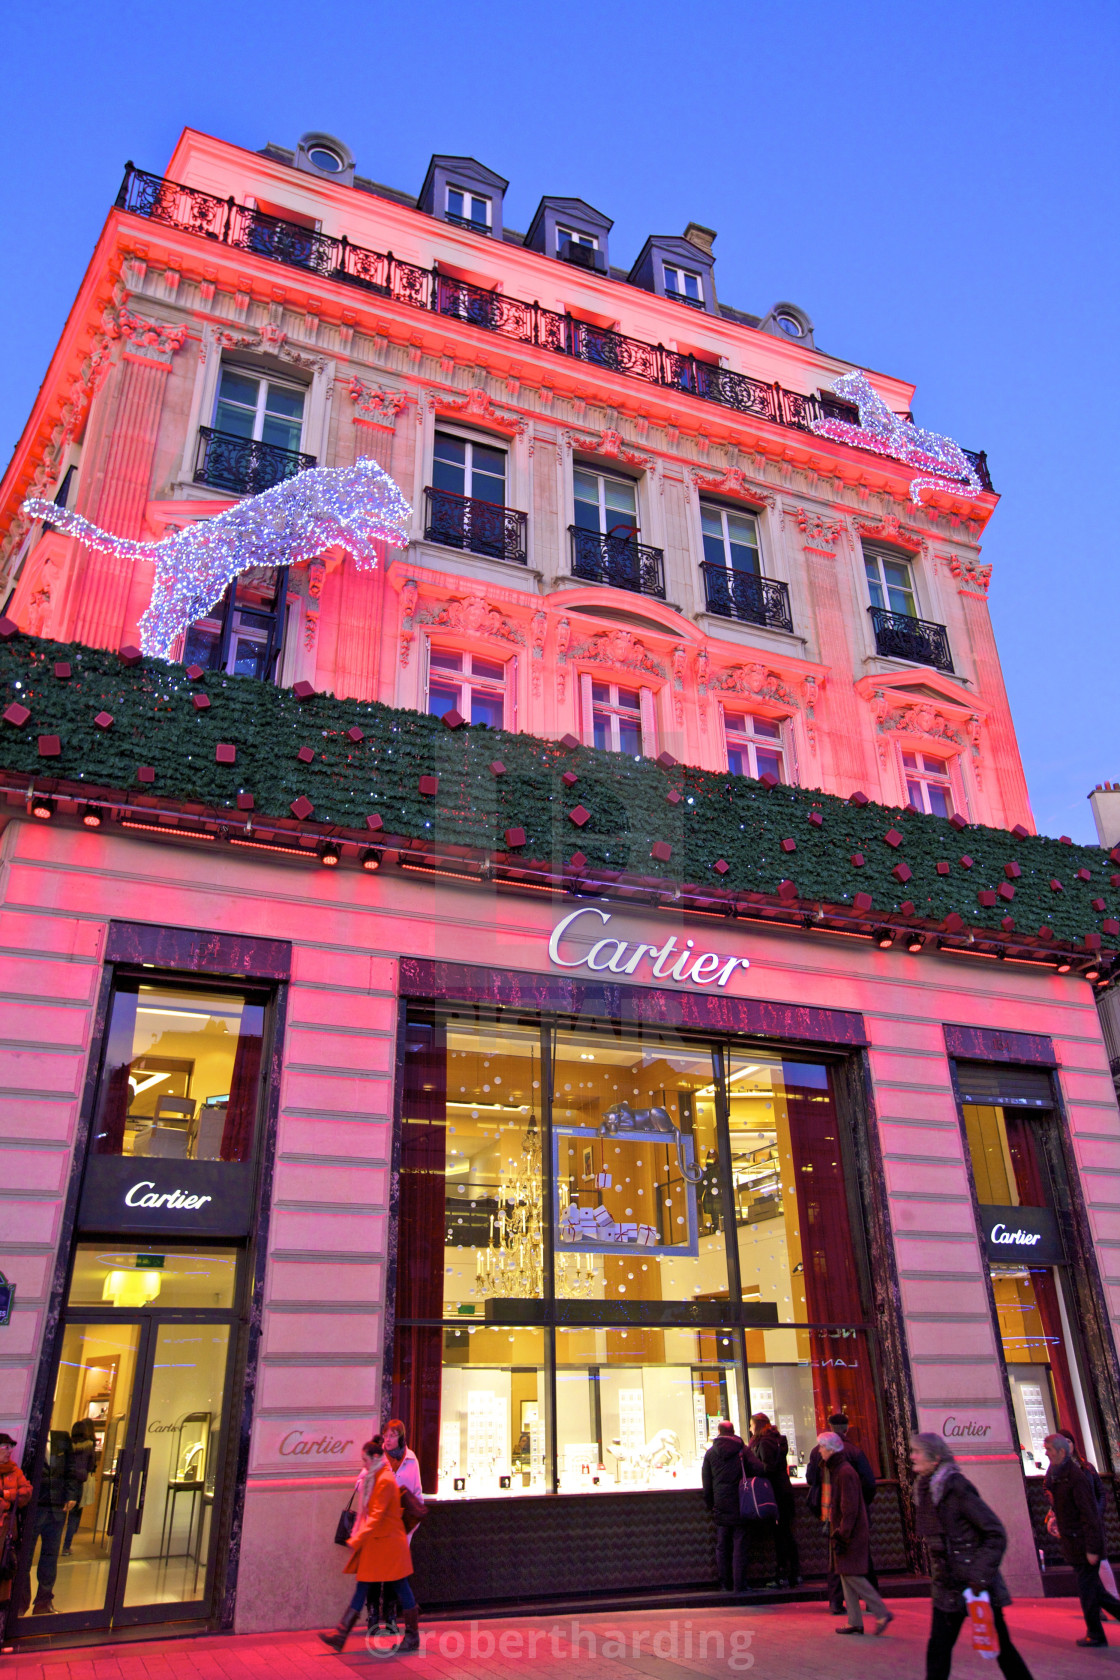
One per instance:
(936,185)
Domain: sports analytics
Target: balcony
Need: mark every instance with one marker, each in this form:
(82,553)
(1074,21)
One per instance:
(482,527)
(191,210)
(244,466)
(618,561)
(746,596)
(917,640)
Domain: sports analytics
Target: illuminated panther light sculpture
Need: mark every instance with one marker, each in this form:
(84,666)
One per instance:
(941,463)
(322,507)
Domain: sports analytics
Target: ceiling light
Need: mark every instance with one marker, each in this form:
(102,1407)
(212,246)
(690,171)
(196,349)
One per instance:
(371,858)
(884,938)
(91,816)
(915,942)
(41,807)
(329,855)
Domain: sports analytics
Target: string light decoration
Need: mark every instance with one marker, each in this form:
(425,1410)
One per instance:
(941,463)
(319,508)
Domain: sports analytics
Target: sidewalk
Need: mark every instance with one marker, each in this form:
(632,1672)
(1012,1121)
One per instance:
(787,1642)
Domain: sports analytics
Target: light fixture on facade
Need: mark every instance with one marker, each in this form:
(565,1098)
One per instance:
(371,858)
(41,807)
(329,855)
(1064,966)
(915,942)
(884,938)
(1092,974)
(91,816)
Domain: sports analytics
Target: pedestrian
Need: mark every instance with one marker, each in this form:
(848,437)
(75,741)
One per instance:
(1081,1532)
(83,1441)
(838,1424)
(382,1611)
(57,1496)
(842,1499)
(15,1493)
(771,1447)
(726,1461)
(378,1549)
(966,1542)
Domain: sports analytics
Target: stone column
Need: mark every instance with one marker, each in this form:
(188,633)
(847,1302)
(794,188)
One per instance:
(1000,748)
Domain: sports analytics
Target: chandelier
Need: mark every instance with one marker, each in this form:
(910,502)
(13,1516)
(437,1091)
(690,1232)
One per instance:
(511,1266)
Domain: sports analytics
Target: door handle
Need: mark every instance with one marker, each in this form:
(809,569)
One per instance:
(120,1479)
(145,1458)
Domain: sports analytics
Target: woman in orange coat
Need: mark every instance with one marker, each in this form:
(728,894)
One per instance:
(378,1548)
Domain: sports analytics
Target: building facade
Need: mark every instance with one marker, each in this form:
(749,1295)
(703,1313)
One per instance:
(590,974)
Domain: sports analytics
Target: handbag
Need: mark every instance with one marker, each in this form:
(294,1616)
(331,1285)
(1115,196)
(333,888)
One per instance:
(413,1510)
(756,1498)
(345,1526)
(985,1640)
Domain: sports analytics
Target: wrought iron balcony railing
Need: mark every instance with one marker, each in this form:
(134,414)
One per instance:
(745,596)
(244,466)
(225,221)
(898,636)
(482,527)
(619,561)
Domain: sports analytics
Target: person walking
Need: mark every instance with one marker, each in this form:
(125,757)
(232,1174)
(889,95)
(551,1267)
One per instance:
(726,1461)
(15,1494)
(838,1424)
(1081,1532)
(966,1542)
(83,1440)
(378,1549)
(771,1447)
(842,1498)
(58,1494)
(383,1607)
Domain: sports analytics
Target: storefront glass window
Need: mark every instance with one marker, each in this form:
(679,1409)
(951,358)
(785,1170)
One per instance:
(114,1275)
(181,1075)
(611,1238)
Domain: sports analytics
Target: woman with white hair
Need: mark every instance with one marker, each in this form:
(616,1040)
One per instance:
(966,1541)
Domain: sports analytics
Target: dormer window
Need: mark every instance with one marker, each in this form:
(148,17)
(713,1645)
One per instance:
(468,209)
(790,325)
(686,287)
(572,236)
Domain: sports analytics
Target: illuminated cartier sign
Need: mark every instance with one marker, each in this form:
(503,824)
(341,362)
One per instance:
(671,961)
(136,1197)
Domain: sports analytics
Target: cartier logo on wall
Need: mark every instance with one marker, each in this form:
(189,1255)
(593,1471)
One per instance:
(166,1198)
(1029,1236)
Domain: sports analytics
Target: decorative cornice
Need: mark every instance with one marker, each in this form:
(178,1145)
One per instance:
(754,681)
(608,443)
(970,574)
(890,529)
(816,527)
(733,482)
(620,649)
(154,340)
(273,340)
(376,405)
(478,404)
(471,615)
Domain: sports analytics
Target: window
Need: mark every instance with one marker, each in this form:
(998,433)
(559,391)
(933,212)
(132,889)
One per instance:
(927,784)
(466,468)
(262,409)
(323,158)
(607,506)
(244,633)
(616,718)
(573,236)
(691,1193)
(790,325)
(890,583)
(468,684)
(754,745)
(182,1073)
(468,208)
(730,539)
(682,284)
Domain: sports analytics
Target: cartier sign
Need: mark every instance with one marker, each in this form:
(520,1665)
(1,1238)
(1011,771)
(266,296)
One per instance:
(582,940)
(166,1198)
(1022,1234)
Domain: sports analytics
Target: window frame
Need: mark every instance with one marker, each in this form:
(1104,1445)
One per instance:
(603,479)
(949,778)
(577,237)
(725,512)
(469,195)
(872,552)
(500,446)
(646,714)
(675,292)
(467,681)
(264,381)
(740,740)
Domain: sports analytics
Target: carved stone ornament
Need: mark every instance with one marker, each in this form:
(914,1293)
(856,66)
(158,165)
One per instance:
(478,404)
(272,339)
(471,616)
(409,592)
(376,405)
(733,482)
(563,637)
(921,718)
(969,573)
(150,338)
(754,681)
(537,628)
(620,649)
(890,529)
(811,690)
(609,443)
(817,527)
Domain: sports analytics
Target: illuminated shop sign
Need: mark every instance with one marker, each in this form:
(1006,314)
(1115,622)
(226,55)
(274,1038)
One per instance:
(578,941)
(1028,1236)
(148,1196)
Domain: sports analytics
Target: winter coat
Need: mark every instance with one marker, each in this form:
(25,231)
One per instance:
(721,1474)
(378,1546)
(862,1464)
(773,1449)
(14,1487)
(407,1470)
(59,1486)
(1076,1510)
(848,1528)
(965,1538)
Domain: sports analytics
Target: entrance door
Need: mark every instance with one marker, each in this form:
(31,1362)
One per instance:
(124,1528)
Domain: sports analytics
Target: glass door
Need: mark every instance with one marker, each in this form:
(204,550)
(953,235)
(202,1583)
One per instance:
(123,1529)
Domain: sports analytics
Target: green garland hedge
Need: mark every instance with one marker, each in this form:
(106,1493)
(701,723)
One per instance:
(155,723)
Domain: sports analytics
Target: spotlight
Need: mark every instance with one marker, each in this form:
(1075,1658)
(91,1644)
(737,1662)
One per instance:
(1093,974)
(371,858)
(1064,967)
(91,816)
(329,855)
(915,942)
(42,808)
(884,938)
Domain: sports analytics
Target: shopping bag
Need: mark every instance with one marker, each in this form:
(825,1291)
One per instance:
(985,1640)
(1108,1579)
(756,1496)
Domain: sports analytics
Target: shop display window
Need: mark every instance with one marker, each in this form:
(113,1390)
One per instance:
(611,1238)
(126,1276)
(182,1073)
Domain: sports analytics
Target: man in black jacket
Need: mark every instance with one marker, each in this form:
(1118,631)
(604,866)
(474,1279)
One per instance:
(860,1462)
(1081,1533)
(721,1473)
(772,1448)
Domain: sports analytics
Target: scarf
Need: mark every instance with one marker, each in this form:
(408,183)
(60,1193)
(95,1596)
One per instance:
(826,1494)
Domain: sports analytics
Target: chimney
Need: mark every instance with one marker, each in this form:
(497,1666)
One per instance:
(1105,802)
(703,238)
